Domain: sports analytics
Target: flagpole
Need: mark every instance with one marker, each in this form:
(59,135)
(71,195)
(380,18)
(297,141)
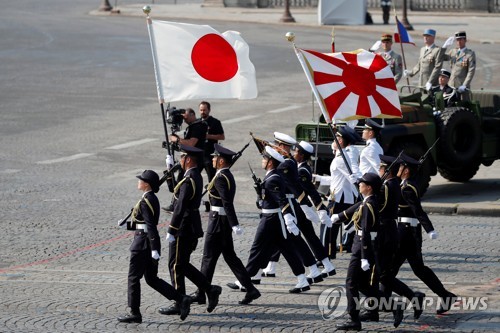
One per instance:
(402,49)
(290,36)
(159,87)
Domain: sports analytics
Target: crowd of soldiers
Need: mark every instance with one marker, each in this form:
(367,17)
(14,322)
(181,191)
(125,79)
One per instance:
(372,197)
(434,74)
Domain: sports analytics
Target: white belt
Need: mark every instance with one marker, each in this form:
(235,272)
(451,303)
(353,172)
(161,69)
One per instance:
(410,220)
(271,211)
(290,196)
(373,234)
(141,226)
(219,210)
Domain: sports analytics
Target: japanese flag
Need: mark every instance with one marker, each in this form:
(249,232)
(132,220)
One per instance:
(194,62)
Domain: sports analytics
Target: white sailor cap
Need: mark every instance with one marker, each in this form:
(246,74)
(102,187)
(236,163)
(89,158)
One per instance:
(284,138)
(306,147)
(271,153)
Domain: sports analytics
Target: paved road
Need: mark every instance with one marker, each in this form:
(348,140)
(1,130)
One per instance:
(80,119)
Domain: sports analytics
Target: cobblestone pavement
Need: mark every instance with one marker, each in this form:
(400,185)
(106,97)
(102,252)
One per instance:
(79,284)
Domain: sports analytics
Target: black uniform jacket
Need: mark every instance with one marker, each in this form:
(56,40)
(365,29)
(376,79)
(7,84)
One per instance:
(221,193)
(305,179)
(289,172)
(186,218)
(389,199)
(410,205)
(147,211)
(273,192)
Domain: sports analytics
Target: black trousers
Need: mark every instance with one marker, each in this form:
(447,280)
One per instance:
(141,264)
(358,280)
(180,268)
(328,236)
(410,248)
(268,237)
(219,240)
(309,235)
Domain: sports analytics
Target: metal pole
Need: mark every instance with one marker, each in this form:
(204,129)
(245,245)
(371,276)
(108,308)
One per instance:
(287,16)
(405,22)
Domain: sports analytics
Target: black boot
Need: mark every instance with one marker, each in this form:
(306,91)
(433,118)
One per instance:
(369,316)
(198,297)
(419,304)
(349,326)
(213,297)
(132,317)
(173,309)
(446,303)
(398,314)
(185,307)
(250,296)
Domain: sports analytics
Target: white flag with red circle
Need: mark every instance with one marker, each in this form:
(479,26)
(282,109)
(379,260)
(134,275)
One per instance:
(195,62)
(351,85)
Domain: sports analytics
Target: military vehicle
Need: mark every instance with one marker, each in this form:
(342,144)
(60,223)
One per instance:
(468,132)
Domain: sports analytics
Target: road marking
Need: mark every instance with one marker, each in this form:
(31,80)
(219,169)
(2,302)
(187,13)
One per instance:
(288,108)
(131,144)
(236,120)
(65,159)
(9,171)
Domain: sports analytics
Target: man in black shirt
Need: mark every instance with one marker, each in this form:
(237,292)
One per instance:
(214,133)
(194,135)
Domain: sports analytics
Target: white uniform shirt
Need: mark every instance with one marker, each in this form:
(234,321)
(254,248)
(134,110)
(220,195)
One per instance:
(339,179)
(369,160)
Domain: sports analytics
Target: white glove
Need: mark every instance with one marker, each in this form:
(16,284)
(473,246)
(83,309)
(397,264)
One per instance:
(155,255)
(348,228)
(365,265)
(433,234)
(170,237)
(237,230)
(324,218)
(353,178)
(169,161)
(310,214)
(428,86)
(334,218)
(449,42)
(290,224)
(376,46)
(461,89)
(406,73)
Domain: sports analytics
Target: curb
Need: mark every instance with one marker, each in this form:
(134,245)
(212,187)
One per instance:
(481,209)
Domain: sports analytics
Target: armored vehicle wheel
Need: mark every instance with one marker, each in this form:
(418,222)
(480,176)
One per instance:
(461,174)
(416,151)
(459,136)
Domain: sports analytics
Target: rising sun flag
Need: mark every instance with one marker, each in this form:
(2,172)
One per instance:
(351,85)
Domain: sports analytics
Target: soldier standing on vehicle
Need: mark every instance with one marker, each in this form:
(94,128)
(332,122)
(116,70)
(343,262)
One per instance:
(463,65)
(394,60)
(145,252)
(450,95)
(429,63)
(369,159)
(215,133)
(411,219)
(184,231)
(222,223)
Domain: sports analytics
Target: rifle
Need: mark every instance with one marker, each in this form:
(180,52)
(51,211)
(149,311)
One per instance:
(424,156)
(257,185)
(388,169)
(234,159)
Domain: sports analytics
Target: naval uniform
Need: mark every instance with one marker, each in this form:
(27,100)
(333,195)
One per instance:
(369,159)
(411,219)
(450,96)
(145,217)
(185,226)
(366,224)
(219,239)
(429,64)
(272,232)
